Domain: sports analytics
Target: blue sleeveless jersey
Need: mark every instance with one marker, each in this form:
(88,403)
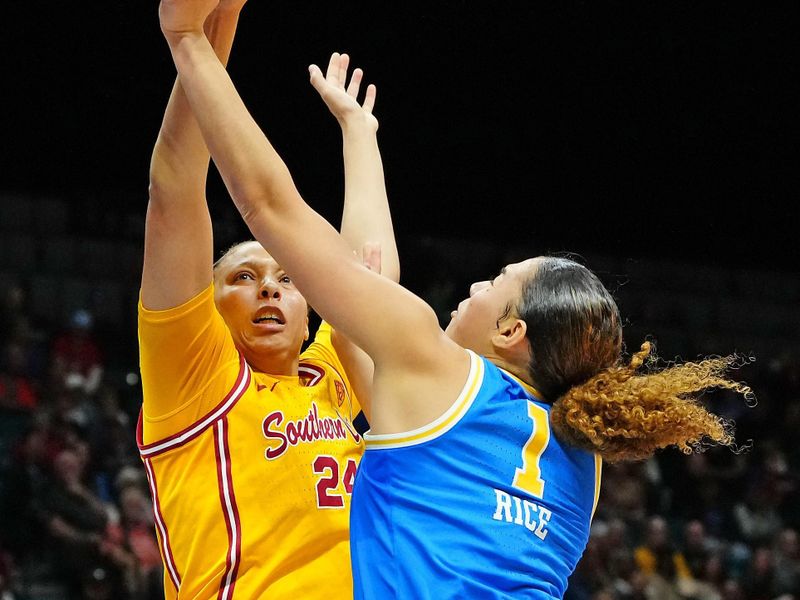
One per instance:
(482,503)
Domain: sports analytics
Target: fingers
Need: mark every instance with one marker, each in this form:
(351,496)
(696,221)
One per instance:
(332,72)
(344,62)
(336,76)
(317,80)
(369,98)
(355,83)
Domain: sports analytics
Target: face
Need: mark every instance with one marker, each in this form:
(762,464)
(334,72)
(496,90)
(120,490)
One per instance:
(265,313)
(135,506)
(475,321)
(68,467)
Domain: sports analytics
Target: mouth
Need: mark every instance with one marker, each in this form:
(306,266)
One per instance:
(269,315)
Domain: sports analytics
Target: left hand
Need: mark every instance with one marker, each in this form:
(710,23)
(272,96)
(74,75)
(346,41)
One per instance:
(343,103)
(178,17)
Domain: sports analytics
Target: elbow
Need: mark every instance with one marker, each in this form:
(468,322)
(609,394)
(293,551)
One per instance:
(156,191)
(250,198)
(164,184)
(258,197)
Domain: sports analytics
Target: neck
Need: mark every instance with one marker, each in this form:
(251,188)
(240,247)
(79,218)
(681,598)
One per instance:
(518,371)
(284,364)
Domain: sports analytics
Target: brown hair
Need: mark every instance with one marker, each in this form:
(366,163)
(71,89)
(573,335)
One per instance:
(625,415)
(600,403)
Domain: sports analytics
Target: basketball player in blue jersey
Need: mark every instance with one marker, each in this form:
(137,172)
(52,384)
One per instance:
(482,467)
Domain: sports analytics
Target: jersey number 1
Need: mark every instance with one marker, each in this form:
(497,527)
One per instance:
(529,477)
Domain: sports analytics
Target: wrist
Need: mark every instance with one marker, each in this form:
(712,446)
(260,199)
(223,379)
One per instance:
(358,123)
(175,38)
(224,13)
(229,8)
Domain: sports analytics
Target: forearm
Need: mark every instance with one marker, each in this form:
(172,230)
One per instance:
(178,248)
(180,157)
(366,216)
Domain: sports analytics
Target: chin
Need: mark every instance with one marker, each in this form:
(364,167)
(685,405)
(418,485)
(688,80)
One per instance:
(451,325)
(451,331)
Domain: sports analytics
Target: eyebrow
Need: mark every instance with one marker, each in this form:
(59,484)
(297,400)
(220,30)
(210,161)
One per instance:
(255,266)
(246,263)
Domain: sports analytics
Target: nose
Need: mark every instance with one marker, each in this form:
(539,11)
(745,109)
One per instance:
(477,287)
(270,289)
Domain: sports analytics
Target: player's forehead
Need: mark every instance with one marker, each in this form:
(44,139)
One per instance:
(251,254)
(521,270)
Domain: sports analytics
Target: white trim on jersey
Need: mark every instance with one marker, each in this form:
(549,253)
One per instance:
(442,424)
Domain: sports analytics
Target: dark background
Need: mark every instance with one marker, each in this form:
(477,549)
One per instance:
(656,139)
(635,129)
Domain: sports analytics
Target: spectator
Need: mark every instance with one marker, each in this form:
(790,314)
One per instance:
(625,494)
(732,590)
(7,574)
(140,538)
(787,564)
(25,484)
(76,520)
(757,516)
(697,548)
(17,390)
(657,555)
(12,308)
(77,360)
(758,581)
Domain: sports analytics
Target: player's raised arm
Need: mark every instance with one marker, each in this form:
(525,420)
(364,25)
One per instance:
(366,306)
(178,252)
(366,217)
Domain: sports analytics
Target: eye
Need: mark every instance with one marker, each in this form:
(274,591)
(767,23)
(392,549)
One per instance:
(244,275)
(285,279)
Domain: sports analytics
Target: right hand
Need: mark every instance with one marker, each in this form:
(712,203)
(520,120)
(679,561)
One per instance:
(343,103)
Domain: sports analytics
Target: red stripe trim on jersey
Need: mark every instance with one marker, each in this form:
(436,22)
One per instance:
(316,373)
(229,509)
(163,534)
(191,432)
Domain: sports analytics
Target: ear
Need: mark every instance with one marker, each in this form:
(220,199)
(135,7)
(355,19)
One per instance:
(510,337)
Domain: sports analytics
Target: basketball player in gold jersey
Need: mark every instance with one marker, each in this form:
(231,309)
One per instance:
(249,445)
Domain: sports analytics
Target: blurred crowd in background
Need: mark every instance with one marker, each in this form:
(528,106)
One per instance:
(77,519)
(76,516)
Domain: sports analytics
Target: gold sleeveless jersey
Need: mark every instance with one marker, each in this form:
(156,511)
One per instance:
(251,474)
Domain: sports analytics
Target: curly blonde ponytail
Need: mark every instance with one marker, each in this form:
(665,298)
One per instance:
(624,415)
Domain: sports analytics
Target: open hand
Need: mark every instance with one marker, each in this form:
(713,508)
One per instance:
(343,103)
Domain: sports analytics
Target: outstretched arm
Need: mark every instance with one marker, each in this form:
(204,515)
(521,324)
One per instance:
(178,249)
(394,326)
(366,219)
